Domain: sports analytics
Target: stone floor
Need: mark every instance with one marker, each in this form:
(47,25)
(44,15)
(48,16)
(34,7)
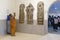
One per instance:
(25,36)
(50,30)
(21,36)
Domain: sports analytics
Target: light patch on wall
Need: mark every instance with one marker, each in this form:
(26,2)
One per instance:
(3,6)
(7,5)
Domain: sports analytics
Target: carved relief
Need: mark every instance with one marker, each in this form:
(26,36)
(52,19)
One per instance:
(40,13)
(21,13)
(29,11)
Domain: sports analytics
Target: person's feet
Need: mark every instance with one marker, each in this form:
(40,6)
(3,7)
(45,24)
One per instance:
(8,33)
(55,30)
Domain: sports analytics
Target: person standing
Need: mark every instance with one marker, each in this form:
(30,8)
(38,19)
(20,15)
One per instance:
(55,24)
(59,21)
(13,25)
(8,24)
(49,21)
(52,21)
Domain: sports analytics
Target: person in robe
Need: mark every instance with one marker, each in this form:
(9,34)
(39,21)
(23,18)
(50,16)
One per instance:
(13,24)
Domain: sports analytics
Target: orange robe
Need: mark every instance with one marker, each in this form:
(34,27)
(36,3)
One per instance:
(13,25)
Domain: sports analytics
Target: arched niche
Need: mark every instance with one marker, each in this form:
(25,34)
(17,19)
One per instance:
(21,13)
(54,11)
(54,8)
(29,11)
(40,13)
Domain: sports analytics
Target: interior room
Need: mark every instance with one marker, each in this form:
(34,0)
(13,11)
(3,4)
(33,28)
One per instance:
(29,19)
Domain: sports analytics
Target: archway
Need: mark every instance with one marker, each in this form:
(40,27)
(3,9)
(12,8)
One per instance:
(54,12)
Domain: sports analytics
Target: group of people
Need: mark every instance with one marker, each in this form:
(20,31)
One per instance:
(55,22)
(11,24)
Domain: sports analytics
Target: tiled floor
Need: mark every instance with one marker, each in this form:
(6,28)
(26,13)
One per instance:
(24,36)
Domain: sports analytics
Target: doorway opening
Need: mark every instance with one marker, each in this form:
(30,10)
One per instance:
(53,18)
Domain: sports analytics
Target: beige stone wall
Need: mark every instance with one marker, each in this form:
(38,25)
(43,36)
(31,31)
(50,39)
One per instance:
(13,6)
(33,28)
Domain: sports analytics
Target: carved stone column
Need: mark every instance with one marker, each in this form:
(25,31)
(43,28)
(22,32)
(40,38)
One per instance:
(40,13)
(29,11)
(21,13)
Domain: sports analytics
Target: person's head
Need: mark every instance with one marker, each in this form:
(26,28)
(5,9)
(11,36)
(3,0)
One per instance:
(10,14)
(59,16)
(56,17)
(14,14)
(52,16)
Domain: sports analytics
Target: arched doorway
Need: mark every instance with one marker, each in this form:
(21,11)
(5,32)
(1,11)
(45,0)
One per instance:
(54,12)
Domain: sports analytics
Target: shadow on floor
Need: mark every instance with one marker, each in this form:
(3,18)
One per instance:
(50,30)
